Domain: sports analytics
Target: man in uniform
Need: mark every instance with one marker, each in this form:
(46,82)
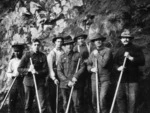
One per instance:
(68,76)
(103,57)
(13,74)
(129,83)
(40,69)
(52,59)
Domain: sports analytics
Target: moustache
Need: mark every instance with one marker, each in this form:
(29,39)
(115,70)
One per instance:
(126,41)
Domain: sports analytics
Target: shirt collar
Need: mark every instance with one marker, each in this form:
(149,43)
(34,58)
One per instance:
(58,49)
(100,49)
(84,44)
(128,45)
(33,53)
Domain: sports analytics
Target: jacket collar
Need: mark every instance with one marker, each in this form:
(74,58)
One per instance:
(58,49)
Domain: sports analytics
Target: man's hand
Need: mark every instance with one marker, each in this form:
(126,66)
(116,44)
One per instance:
(56,81)
(32,70)
(74,80)
(95,52)
(16,73)
(70,83)
(126,54)
(120,68)
(94,70)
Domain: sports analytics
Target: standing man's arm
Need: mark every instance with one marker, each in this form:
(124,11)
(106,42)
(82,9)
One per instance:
(139,59)
(12,70)
(50,59)
(9,70)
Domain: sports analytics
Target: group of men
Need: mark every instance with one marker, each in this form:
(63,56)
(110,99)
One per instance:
(72,63)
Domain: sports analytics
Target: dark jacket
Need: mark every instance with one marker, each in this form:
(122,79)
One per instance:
(131,71)
(66,69)
(104,65)
(83,50)
(40,64)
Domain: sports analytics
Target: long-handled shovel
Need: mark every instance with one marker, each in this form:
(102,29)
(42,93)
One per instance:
(36,91)
(97,90)
(67,109)
(118,84)
(57,98)
(8,93)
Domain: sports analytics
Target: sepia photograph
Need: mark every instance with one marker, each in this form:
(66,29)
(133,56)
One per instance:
(74,56)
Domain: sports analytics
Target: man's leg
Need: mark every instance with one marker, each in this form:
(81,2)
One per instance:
(12,100)
(88,107)
(52,95)
(77,98)
(132,97)
(65,95)
(121,100)
(42,98)
(21,95)
(65,98)
(29,96)
(103,94)
(94,99)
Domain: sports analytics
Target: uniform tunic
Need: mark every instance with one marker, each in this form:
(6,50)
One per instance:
(41,66)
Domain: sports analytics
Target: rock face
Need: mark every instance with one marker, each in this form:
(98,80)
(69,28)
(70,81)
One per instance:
(23,20)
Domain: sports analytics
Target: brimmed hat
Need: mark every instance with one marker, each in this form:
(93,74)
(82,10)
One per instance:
(68,40)
(18,47)
(126,33)
(98,37)
(55,38)
(80,35)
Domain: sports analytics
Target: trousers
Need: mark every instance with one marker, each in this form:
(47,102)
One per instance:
(76,99)
(126,97)
(103,91)
(29,97)
(16,95)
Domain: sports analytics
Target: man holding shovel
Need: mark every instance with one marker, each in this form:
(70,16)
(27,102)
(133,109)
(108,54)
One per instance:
(83,48)
(99,63)
(128,88)
(35,68)
(53,58)
(17,89)
(69,70)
